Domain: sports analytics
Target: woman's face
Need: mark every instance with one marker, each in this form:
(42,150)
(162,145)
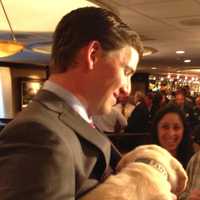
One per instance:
(170,131)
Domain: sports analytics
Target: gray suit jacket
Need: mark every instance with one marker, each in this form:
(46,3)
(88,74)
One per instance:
(48,152)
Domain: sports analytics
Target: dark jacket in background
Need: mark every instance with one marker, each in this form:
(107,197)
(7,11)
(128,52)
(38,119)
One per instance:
(138,120)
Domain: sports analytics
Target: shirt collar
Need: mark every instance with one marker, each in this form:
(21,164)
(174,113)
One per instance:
(68,97)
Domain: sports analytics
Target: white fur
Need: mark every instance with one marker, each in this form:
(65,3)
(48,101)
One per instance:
(176,173)
(140,181)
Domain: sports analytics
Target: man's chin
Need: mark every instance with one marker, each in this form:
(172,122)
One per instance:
(105,111)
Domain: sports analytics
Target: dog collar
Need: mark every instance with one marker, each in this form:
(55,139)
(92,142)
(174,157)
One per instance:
(155,164)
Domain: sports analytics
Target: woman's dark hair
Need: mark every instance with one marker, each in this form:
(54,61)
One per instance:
(79,27)
(185,149)
(196,134)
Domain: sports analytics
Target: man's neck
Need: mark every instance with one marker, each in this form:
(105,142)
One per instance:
(76,101)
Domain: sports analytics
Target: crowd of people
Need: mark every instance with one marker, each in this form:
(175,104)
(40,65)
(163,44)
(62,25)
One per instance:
(145,107)
(174,124)
(53,150)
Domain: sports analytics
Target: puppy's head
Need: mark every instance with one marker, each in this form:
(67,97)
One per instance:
(176,174)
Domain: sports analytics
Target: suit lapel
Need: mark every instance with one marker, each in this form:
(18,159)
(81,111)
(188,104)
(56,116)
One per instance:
(73,120)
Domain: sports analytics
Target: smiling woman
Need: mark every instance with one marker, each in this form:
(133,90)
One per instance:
(170,131)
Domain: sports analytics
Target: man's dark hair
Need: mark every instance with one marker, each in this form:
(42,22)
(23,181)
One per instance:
(79,27)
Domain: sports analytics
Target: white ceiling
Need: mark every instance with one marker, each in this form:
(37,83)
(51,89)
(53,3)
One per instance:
(166,25)
(37,15)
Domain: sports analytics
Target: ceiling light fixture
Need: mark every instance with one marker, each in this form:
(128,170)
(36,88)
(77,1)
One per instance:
(41,47)
(148,51)
(9,47)
(187,61)
(180,52)
(45,48)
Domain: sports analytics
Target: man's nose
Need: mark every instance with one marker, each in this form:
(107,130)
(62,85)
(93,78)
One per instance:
(126,88)
(123,94)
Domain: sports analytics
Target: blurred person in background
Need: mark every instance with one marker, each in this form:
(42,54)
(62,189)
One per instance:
(149,103)
(139,118)
(192,191)
(196,138)
(159,100)
(187,91)
(186,106)
(196,111)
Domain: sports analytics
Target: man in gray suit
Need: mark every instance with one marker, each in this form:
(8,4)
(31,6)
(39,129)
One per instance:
(50,151)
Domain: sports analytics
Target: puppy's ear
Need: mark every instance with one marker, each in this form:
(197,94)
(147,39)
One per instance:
(181,176)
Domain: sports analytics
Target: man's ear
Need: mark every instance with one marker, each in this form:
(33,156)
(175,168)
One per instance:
(93,52)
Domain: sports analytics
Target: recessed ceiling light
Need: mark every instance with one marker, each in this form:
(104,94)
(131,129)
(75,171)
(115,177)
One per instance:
(187,61)
(154,68)
(148,51)
(41,47)
(180,52)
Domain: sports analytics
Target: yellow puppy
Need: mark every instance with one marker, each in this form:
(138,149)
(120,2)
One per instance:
(176,174)
(147,173)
